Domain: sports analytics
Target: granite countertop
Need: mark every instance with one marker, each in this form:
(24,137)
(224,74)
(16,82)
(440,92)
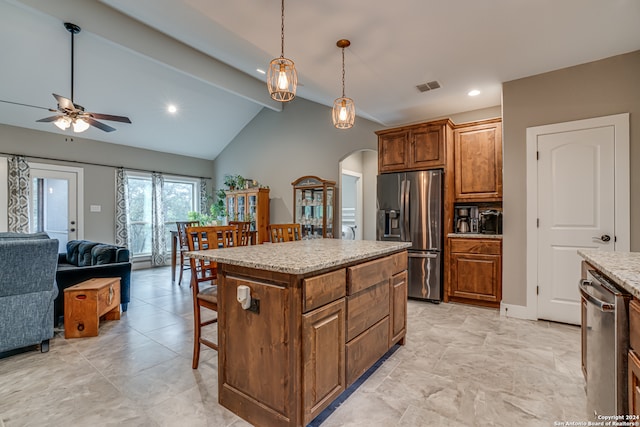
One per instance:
(300,257)
(475,236)
(621,267)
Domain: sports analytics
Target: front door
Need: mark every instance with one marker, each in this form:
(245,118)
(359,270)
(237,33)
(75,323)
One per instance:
(54,202)
(576,184)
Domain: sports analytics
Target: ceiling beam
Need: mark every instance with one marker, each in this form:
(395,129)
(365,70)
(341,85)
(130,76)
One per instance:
(114,26)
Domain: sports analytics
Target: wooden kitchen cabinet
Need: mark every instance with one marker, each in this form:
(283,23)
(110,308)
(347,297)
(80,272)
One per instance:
(415,147)
(399,289)
(323,350)
(633,368)
(478,161)
(475,271)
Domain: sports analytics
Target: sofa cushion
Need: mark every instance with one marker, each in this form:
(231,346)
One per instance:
(72,251)
(84,253)
(103,254)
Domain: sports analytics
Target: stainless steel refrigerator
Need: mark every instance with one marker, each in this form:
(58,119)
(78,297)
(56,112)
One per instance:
(410,210)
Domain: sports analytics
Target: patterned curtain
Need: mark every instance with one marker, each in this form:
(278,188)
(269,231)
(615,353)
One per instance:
(18,209)
(122,209)
(204,198)
(158,240)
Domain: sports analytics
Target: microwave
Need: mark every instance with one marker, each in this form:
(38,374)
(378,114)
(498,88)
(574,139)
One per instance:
(490,222)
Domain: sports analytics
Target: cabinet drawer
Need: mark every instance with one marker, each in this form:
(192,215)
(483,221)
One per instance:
(368,274)
(366,308)
(366,349)
(476,246)
(634,325)
(399,262)
(320,290)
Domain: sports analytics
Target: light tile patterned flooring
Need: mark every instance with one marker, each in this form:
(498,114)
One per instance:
(462,366)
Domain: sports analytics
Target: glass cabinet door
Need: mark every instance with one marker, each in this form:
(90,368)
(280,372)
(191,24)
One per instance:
(252,209)
(241,207)
(313,206)
(231,207)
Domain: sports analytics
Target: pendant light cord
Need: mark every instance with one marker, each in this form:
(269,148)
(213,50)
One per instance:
(343,72)
(282,32)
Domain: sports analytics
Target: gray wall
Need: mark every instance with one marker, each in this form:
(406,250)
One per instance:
(601,88)
(366,162)
(99,181)
(278,148)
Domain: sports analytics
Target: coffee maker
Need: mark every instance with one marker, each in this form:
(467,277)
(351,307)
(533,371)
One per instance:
(466,219)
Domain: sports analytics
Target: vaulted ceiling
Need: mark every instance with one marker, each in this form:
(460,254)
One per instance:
(134,58)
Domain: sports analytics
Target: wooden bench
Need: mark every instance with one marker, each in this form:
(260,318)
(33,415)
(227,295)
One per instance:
(87,302)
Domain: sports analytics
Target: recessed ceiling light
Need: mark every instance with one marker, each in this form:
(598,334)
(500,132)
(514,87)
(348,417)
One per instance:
(474,92)
(261,71)
(172,108)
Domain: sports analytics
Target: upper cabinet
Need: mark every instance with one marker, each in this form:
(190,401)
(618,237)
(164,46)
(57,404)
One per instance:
(478,161)
(420,146)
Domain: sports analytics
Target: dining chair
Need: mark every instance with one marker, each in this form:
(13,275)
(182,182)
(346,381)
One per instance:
(202,272)
(284,232)
(243,232)
(182,242)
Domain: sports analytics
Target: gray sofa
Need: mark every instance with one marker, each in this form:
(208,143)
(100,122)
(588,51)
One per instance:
(85,260)
(27,290)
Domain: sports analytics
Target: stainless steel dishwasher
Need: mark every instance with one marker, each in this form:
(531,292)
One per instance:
(606,344)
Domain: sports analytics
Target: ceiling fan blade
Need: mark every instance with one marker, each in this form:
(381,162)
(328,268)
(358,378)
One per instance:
(28,105)
(110,117)
(99,125)
(64,103)
(49,119)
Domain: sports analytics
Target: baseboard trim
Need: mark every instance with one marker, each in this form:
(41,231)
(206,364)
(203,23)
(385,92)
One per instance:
(517,311)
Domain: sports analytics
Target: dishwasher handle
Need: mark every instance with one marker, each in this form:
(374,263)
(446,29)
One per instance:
(601,305)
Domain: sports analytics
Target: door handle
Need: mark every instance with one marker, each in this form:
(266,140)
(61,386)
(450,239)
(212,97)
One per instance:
(430,255)
(604,238)
(600,305)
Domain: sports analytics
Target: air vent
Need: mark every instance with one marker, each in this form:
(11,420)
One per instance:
(428,86)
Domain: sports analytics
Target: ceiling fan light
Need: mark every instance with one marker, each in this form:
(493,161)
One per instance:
(62,123)
(80,125)
(344,113)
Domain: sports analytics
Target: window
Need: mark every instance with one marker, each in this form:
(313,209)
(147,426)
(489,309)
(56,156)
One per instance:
(179,196)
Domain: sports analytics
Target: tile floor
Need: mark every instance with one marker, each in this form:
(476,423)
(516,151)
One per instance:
(462,366)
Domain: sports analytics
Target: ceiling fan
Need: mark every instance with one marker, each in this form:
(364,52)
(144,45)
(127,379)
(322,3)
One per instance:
(70,113)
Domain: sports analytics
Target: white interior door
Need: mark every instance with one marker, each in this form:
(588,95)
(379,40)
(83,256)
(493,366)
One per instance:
(351,205)
(55,202)
(576,187)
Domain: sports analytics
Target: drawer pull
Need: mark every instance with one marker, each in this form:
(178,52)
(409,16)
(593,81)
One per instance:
(110,295)
(81,296)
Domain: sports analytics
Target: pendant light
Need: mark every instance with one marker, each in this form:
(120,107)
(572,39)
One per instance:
(344,109)
(282,79)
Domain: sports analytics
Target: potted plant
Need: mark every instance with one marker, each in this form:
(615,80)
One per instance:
(230,181)
(241,182)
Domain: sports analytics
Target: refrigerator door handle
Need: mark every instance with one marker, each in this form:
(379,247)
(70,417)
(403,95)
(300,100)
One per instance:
(403,183)
(431,255)
(405,217)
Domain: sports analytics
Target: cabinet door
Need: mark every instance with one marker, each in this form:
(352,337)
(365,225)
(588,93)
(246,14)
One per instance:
(398,324)
(426,147)
(476,277)
(392,152)
(323,346)
(478,163)
(634,383)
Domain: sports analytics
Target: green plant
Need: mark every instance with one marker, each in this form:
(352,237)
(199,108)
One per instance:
(230,181)
(240,181)
(217,211)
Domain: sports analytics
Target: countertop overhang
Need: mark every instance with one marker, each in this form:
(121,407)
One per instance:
(301,257)
(621,267)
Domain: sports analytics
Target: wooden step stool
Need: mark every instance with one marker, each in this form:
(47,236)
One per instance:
(86,302)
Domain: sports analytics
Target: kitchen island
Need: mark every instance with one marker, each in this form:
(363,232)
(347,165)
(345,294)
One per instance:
(322,312)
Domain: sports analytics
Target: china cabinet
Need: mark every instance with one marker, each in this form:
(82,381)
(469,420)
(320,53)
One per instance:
(314,206)
(250,205)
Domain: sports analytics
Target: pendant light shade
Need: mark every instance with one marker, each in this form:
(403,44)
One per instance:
(282,78)
(344,109)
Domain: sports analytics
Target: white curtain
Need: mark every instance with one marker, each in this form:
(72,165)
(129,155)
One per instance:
(18,209)
(158,240)
(204,197)
(122,209)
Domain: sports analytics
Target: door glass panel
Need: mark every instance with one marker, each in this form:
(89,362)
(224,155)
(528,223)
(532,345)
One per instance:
(50,211)
(140,215)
